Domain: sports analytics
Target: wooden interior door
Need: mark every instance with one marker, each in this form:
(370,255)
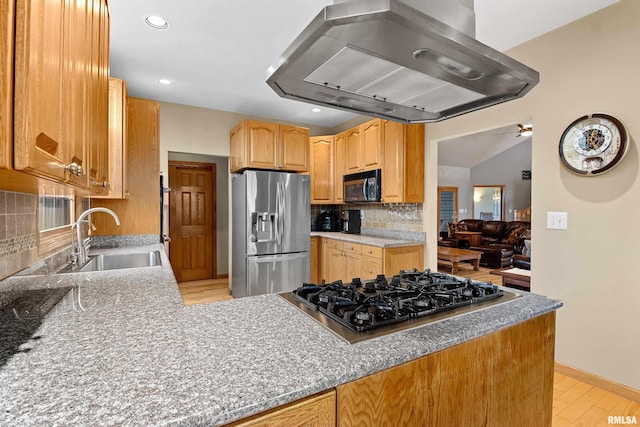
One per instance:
(447,207)
(191,220)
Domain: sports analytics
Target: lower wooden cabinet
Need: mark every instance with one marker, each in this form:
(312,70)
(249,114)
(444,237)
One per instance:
(504,378)
(314,411)
(314,254)
(343,260)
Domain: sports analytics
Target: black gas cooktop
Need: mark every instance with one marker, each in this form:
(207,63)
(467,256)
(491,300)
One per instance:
(360,310)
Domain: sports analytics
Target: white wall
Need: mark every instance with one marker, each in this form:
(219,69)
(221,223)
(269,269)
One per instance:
(451,176)
(593,265)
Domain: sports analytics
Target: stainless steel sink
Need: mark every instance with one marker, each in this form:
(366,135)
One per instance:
(121,261)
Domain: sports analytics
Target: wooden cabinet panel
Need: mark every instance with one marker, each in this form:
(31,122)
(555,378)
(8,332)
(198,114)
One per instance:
(372,251)
(501,379)
(314,254)
(371,145)
(370,267)
(142,208)
(403,163)
(339,153)
(61,104)
(293,148)
(39,138)
(314,411)
(261,144)
(321,169)
(270,146)
(403,258)
(352,266)
(336,265)
(7,15)
(352,150)
(118,101)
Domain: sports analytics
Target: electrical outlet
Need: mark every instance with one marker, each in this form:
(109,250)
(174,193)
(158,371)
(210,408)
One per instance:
(557,220)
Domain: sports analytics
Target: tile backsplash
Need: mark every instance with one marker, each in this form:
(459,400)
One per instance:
(18,231)
(381,217)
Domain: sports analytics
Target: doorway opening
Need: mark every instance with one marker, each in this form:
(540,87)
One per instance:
(447,208)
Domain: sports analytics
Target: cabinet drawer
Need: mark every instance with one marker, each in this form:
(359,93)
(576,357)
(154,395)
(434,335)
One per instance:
(334,244)
(370,267)
(372,251)
(353,248)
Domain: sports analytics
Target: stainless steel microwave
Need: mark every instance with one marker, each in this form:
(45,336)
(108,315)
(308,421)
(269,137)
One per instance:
(363,187)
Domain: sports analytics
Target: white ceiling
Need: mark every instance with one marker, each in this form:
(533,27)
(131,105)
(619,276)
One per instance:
(217,51)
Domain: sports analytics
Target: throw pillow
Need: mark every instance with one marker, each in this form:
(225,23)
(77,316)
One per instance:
(515,234)
(455,227)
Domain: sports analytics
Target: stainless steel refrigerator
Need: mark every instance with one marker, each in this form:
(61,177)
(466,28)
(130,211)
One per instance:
(271,232)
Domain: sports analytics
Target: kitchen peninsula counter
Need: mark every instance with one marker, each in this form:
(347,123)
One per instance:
(120,348)
(364,239)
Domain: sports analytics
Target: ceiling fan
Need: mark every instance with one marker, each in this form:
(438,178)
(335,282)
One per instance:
(523,130)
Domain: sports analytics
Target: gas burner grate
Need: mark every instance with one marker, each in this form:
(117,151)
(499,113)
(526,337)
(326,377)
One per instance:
(363,306)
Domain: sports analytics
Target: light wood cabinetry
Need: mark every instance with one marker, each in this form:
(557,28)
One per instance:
(60,101)
(321,169)
(118,102)
(344,260)
(339,153)
(501,379)
(403,162)
(7,19)
(263,145)
(314,254)
(142,208)
(364,147)
(314,411)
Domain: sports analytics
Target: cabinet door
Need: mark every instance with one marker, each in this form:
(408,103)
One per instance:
(100,111)
(78,86)
(39,145)
(314,250)
(371,145)
(370,267)
(339,166)
(118,99)
(237,148)
(336,265)
(321,170)
(7,15)
(352,266)
(403,258)
(261,144)
(352,150)
(293,148)
(393,162)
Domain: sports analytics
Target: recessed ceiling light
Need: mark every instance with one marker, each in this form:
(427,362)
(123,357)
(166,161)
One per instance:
(165,82)
(315,110)
(157,22)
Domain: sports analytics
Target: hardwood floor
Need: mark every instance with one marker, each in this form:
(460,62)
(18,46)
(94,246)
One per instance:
(202,291)
(575,403)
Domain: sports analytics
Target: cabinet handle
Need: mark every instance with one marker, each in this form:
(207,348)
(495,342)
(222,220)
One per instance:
(74,169)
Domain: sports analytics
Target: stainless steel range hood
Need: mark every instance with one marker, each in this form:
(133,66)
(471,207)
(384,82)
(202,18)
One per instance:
(387,59)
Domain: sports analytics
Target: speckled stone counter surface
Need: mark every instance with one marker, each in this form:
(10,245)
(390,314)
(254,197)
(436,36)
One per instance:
(121,349)
(382,242)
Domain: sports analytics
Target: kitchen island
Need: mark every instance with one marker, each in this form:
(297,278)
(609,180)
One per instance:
(120,348)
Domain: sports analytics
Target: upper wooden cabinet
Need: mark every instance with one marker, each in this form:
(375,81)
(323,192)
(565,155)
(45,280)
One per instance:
(60,102)
(321,169)
(7,19)
(403,162)
(263,145)
(364,147)
(118,102)
(339,153)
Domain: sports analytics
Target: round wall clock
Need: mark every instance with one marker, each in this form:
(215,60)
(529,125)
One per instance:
(592,145)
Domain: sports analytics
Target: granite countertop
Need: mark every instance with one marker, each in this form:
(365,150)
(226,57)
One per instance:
(120,348)
(381,242)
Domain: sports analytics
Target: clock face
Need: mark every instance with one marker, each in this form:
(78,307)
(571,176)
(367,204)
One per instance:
(593,144)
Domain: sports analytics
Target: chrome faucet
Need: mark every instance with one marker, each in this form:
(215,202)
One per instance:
(79,256)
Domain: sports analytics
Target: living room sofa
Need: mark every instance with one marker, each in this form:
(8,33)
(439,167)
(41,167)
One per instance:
(499,240)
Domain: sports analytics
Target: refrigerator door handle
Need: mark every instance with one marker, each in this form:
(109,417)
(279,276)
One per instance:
(281,203)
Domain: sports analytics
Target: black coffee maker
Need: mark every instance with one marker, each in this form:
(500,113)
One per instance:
(327,221)
(351,221)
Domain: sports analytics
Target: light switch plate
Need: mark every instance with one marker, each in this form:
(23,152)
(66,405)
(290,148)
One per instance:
(557,220)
